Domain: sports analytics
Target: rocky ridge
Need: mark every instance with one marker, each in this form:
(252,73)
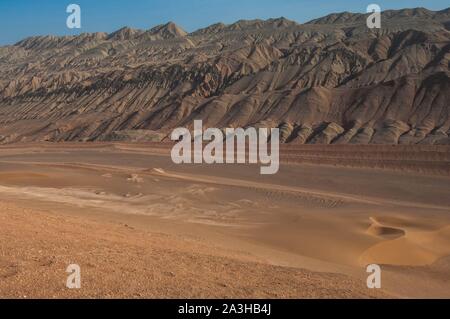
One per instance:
(328,81)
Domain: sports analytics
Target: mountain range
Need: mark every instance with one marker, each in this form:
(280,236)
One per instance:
(328,81)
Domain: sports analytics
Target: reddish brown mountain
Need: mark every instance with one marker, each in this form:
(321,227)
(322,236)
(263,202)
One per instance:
(331,80)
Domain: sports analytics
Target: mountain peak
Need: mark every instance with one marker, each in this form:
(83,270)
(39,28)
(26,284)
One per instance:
(281,22)
(260,24)
(337,18)
(246,24)
(350,17)
(125,33)
(407,13)
(215,28)
(168,31)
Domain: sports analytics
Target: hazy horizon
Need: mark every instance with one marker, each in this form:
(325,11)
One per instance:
(27,19)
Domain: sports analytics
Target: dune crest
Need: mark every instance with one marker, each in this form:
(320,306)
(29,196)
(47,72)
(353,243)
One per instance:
(379,230)
(412,249)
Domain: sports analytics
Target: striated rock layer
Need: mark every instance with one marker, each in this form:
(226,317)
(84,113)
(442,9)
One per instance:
(329,81)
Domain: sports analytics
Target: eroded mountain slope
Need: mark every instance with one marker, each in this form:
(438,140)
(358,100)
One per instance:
(331,80)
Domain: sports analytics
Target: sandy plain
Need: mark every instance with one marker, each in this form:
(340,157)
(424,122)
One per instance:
(140,226)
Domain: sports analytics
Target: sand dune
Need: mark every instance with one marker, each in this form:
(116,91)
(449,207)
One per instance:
(380,230)
(120,261)
(411,249)
(308,218)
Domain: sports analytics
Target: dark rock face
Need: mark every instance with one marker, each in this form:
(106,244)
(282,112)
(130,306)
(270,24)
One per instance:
(330,81)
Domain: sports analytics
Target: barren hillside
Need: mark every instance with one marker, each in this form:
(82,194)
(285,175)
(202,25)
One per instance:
(331,80)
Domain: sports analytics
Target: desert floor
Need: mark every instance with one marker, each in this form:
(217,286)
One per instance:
(140,226)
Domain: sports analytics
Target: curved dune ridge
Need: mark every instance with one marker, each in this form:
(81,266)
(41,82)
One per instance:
(379,230)
(403,247)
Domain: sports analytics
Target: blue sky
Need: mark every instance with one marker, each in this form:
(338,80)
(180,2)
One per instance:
(23,18)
